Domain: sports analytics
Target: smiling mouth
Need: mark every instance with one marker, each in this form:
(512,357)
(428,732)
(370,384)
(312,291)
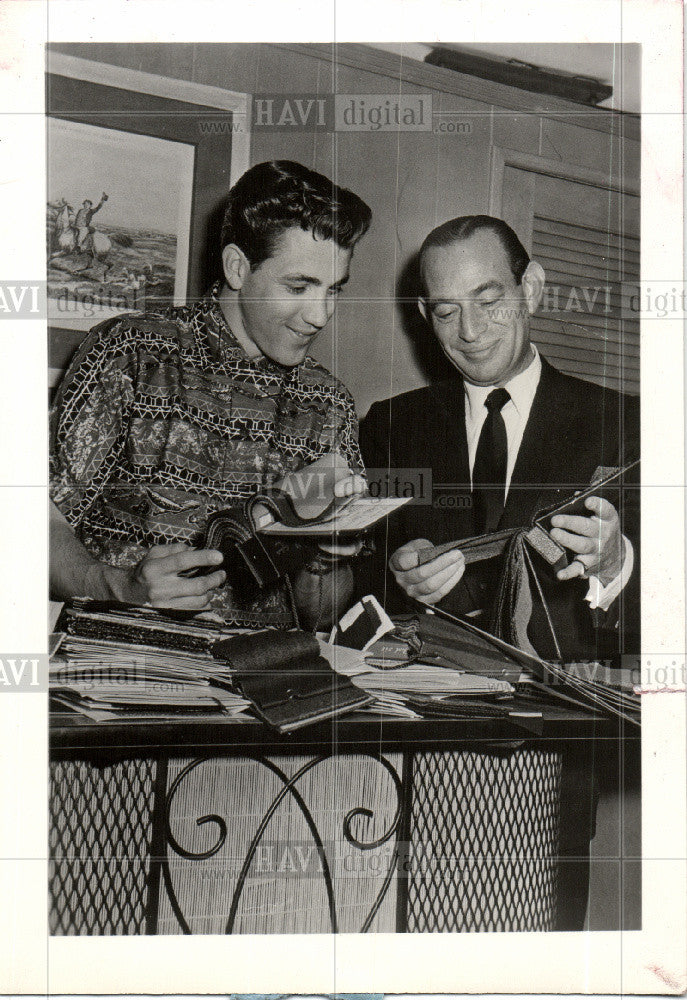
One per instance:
(303,336)
(475,355)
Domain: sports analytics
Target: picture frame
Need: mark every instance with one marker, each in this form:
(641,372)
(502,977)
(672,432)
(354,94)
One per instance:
(164,152)
(110,255)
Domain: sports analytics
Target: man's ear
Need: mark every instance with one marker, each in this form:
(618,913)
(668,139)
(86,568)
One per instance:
(533,281)
(422,306)
(235,266)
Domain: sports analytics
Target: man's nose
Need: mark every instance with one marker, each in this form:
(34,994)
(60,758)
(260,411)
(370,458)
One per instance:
(317,311)
(471,323)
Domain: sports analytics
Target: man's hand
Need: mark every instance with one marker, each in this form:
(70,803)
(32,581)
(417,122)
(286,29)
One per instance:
(431,582)
(155,580)
(596,541)
(352,485)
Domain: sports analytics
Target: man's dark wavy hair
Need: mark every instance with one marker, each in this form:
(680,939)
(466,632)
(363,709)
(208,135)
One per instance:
(281,194)
(464,226)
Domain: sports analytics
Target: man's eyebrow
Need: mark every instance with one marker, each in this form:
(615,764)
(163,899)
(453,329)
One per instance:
(488,286)
(305,278)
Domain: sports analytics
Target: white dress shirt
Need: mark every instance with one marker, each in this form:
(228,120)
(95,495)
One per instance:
(515,413)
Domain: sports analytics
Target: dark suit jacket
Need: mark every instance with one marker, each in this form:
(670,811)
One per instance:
(573,427)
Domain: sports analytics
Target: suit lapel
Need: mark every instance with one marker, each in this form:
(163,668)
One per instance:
(453,466)
(540,450)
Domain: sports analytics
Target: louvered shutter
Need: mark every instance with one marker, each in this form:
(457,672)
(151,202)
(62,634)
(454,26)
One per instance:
(585,325)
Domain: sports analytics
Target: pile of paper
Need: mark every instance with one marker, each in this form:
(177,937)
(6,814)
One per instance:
(102,682)
(128,678)
(394,686)
(419,678)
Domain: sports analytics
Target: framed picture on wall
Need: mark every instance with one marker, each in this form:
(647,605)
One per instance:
(118,222)
(139,166)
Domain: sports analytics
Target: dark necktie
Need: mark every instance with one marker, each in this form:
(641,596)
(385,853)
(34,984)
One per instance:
(491,461)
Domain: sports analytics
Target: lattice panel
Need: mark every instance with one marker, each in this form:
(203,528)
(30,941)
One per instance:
(100,843)
(484,836)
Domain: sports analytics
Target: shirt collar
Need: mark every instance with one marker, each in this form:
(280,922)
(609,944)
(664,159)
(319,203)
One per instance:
(521,388)
(229,348)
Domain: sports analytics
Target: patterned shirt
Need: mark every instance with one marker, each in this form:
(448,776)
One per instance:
(162,419)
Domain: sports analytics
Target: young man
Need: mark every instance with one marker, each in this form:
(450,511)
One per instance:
(512,421)
(164,418)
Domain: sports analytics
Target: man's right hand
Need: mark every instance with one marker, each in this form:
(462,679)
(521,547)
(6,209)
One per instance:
(155,580)
(432,581)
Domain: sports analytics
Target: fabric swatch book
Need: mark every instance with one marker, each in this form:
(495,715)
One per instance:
(304,503)
(286,679)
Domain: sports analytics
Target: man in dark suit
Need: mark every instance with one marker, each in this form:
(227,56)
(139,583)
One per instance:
(504,440)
